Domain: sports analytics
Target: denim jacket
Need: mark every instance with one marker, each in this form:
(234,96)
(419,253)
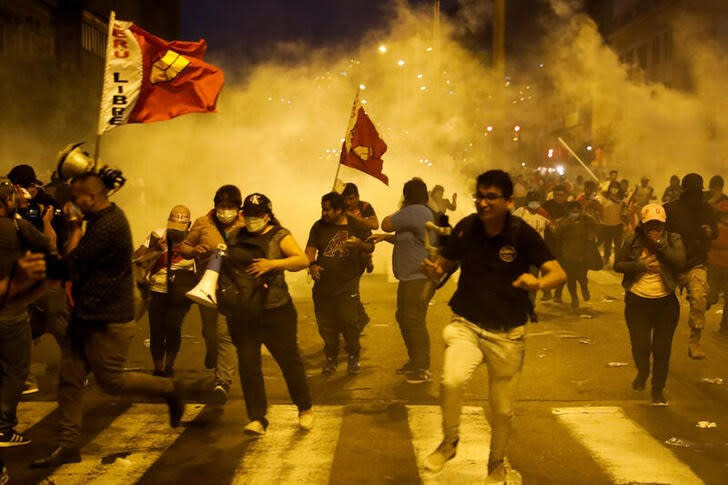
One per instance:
(670,254)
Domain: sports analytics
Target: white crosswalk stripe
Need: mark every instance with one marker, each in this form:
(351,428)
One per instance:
(627,452)
(287,454)
(142,431)
(471,462)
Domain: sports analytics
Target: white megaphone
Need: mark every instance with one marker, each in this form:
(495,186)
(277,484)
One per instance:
(204,292)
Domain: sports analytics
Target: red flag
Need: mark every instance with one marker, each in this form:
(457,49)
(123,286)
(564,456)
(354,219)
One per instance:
(363,148)
(149,79)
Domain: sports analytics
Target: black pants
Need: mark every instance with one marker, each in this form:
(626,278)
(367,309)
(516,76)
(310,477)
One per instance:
(277,329)
(652,323)
(575,272)
(337,315)
(412,319)
(165,325)
(610,235)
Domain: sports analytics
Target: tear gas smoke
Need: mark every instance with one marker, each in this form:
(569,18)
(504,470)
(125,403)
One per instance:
(280,131)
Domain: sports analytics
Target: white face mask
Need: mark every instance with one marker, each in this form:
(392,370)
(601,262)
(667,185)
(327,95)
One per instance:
(534,204)
(226,216)
(256,224)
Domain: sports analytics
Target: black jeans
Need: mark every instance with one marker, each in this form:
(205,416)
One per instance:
(609,235)
(575,272)
(15,342)
(277,329)
(337,315)
(165,325)
(412,319)
(652,323)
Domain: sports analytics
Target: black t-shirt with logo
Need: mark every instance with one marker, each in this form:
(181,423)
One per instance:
(342,266)
(488,268)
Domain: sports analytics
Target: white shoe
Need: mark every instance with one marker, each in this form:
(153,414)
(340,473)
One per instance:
(255,428)
(305,420)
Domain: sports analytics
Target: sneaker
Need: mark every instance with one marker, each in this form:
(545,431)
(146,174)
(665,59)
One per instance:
(658,399)
(59,456)
(30,387)
(12,438)
(406,369)
(219,395)
(370,266)
(444,453)
(305,420)
(419,376)
(586,294)
(4,476)
(255,428)
(353,367)
(329,367)
(533,317)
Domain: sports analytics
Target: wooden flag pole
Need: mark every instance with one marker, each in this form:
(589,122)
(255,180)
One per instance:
(346,135)
(568,148)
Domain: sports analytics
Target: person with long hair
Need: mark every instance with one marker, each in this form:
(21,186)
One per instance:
(265,314)
(651,259)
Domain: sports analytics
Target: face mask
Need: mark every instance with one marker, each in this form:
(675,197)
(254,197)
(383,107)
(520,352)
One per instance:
(176,235)
(614,191)
(533,205)
(256,224)
(226,216)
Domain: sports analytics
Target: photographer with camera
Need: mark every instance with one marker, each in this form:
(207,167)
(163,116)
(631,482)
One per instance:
(17,236)
(50,314)
(102,321)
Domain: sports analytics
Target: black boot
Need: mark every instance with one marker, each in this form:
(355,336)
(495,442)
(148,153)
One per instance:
(176,405)
(60,456)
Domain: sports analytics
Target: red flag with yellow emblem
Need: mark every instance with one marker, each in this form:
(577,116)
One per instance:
(149,79)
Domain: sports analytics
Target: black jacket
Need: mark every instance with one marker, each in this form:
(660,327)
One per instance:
(670,254)
(686,217)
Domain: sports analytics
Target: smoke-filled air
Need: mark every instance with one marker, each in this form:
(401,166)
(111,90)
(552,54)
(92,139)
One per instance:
(280,130)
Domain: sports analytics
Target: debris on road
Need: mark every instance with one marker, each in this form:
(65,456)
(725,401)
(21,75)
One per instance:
(586,341)
(147,343)
(588,316)
(706,425)
(617,364)
(712,380)
(608,299)
(679,443)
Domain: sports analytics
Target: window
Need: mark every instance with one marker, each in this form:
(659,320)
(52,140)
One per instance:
(93,40)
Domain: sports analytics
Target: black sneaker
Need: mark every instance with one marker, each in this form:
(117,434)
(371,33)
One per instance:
(329,367)
(353,367)
(658,398)
(30,387)
(445,452)
(219,395)
(58,457)
(406,369)
(420,376)
(586,294)
(12,438)
(4,476)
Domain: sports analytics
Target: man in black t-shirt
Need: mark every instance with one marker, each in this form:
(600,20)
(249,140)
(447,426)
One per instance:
(336,248)
(495,250)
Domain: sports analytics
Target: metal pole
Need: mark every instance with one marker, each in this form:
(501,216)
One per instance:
(568,148)
(349,126)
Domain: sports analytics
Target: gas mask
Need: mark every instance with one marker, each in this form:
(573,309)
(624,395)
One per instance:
(256,224)
(226,216)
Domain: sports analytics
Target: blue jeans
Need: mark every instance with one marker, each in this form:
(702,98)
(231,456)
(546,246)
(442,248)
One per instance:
(466,347)
(15,342)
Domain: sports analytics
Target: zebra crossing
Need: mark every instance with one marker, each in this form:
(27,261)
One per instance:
(140,436)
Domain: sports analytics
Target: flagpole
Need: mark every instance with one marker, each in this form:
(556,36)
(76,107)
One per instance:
(568,148)
(109,40)
(346,135)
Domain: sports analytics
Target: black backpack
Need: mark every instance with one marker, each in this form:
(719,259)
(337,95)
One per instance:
(241,294)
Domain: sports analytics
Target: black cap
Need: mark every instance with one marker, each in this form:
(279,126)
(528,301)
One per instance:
(24,176)
(257,204)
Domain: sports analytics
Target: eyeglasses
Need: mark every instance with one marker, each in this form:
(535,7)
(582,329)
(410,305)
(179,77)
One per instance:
(490,197)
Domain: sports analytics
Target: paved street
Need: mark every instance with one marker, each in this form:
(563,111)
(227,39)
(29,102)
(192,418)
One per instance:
(577,419)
